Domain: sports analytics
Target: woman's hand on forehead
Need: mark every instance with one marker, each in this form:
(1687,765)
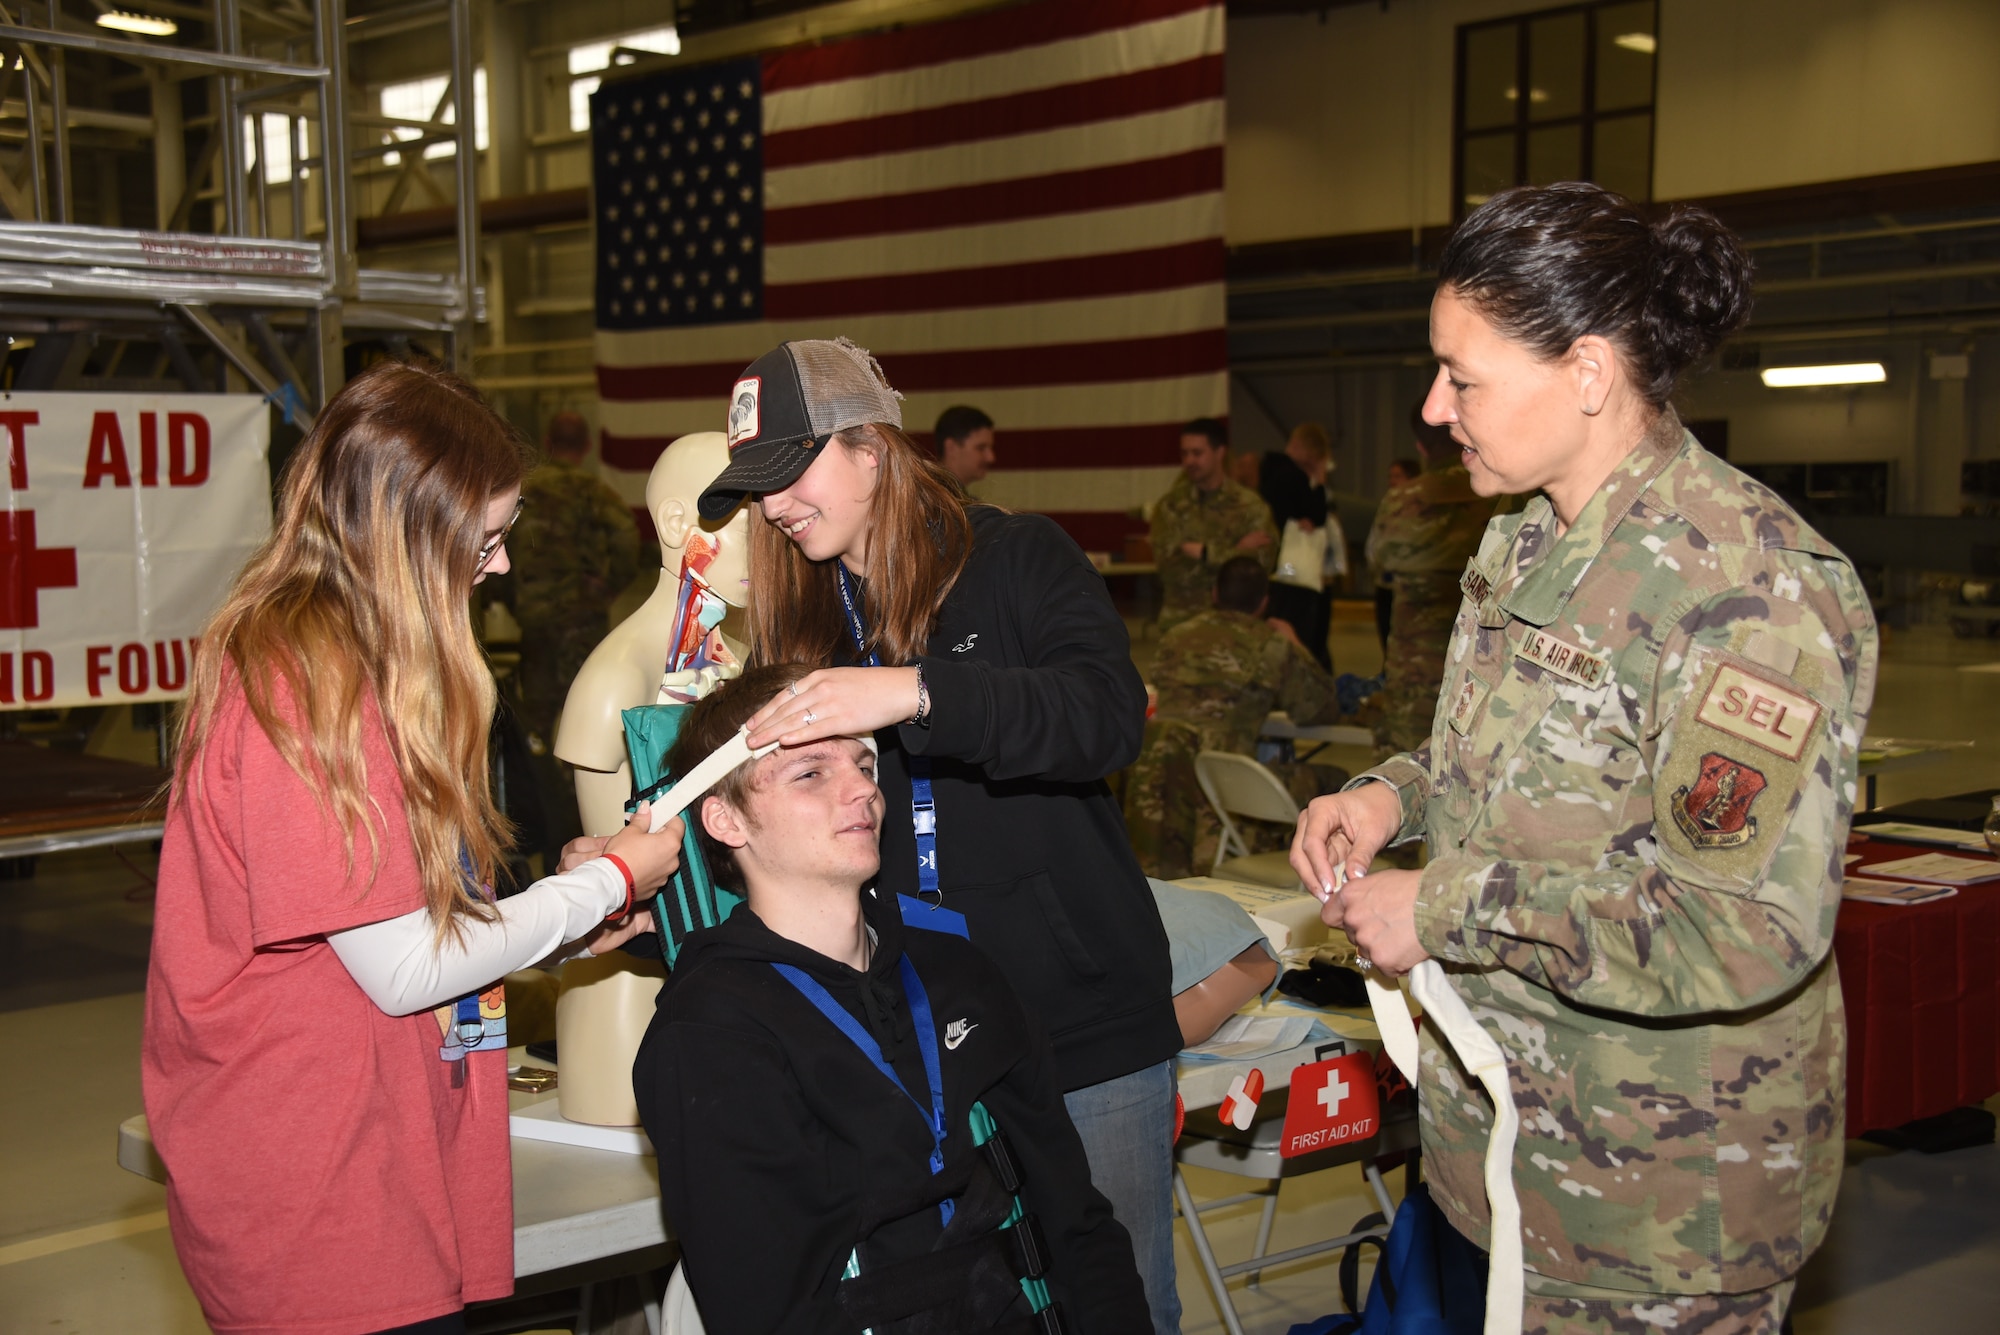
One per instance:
(836,702)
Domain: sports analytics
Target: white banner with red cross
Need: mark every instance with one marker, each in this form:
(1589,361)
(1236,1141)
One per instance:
(123,519)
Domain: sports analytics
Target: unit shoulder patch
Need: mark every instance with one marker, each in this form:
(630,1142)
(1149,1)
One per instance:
(1714,812)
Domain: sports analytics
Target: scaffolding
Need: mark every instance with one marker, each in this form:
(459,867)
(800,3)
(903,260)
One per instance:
(271,296)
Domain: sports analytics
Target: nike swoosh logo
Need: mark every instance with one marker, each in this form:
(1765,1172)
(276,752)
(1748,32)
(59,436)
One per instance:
(955,1033)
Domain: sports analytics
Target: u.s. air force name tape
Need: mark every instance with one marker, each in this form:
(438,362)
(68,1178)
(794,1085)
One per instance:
(1481,1056)
(710,771)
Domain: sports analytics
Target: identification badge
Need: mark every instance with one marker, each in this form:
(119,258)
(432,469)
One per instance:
(1465,702)
(1564,659)
(1759,711)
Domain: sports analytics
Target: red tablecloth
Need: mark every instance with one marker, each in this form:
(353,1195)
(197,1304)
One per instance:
(1923,999)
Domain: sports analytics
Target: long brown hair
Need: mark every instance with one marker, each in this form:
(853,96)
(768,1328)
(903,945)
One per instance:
(362,592)
(918,543)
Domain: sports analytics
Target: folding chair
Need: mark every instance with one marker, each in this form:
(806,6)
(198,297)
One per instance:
(1208,1142)
(1237,785)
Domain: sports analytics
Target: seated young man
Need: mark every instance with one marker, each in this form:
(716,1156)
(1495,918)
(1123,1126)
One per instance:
(785,1150)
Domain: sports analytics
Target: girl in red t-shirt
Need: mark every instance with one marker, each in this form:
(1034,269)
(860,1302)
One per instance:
(324,1058)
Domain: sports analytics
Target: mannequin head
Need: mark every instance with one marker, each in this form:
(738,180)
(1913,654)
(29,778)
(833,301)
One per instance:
(683,469)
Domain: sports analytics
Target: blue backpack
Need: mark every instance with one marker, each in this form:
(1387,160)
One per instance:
(1429,1281)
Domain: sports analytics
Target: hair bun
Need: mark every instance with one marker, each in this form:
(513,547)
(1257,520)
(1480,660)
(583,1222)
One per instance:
(1701,285)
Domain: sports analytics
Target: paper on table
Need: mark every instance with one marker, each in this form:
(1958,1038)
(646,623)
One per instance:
(1242,1037)
(1942,868)
(1894,892)
(1972,841)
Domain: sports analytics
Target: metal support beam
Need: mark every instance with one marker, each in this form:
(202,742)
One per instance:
(36,185)
(169,148)
(183,214)
(235,206)
(237,355)
(141,53)
(328,341)
(59,98)
(468,183)
(182,360)
(276,358)
(329,50)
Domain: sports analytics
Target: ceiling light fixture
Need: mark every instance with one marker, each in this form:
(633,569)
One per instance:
(147,24)
(1644,43)
(1802,377)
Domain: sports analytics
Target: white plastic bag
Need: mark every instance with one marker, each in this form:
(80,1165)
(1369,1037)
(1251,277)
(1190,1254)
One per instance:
(1301,557)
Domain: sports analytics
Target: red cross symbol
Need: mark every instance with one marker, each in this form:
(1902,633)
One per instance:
(25,570)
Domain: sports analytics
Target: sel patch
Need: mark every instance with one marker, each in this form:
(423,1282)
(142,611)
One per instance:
(1759,711)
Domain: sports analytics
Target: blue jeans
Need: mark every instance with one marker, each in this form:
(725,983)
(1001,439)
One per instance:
(1127,1126)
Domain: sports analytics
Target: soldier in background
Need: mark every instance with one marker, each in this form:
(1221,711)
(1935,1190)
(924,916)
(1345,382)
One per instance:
(964,441)
(1206,518)
(579,548)
(1218,674)
(1424,534)
(1402,472)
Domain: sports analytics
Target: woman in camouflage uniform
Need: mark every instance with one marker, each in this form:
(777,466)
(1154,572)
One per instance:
(1636,791)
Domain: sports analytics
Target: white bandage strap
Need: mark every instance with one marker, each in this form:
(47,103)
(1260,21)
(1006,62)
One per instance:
(1446,1011)
(719,762)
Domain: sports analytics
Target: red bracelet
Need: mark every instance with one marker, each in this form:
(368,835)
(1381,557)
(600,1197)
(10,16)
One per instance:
(631,887)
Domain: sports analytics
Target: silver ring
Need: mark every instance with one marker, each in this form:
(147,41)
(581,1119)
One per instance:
(1361,963)
(810,716)
(794,689)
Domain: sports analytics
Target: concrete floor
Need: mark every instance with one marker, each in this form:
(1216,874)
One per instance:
(84,1248)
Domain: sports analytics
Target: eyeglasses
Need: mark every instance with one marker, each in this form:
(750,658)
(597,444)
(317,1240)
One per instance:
(494,543)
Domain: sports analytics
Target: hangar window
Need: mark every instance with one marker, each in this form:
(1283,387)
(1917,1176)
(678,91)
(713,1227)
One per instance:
(420,100)
(585,63)
(1587,114)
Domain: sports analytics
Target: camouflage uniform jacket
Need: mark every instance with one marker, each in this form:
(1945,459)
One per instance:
(576,548)
(1433,522)
(1224,671)
(1218,520)
(1635,797)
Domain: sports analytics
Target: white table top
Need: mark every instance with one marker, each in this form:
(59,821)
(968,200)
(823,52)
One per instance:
(1279,724)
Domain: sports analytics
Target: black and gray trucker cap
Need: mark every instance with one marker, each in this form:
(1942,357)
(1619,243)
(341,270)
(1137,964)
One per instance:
(786,406)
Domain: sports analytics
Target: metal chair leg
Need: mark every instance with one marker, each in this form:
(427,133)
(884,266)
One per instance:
(1381,1190)
(1264,1230)
(1206,1253)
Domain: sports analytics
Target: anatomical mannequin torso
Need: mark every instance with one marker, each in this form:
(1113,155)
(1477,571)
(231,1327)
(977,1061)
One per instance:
(625,671)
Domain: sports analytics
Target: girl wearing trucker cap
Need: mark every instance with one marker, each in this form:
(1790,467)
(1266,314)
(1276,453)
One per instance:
(982,650)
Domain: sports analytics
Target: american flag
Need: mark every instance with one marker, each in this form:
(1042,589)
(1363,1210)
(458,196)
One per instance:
(1021,210)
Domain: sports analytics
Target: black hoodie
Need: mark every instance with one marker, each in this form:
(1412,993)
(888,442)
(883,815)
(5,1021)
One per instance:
(1034,700)
(781,1146)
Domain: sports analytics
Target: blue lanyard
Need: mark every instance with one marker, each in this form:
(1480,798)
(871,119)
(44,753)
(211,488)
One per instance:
(920,1012)
(923,810)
